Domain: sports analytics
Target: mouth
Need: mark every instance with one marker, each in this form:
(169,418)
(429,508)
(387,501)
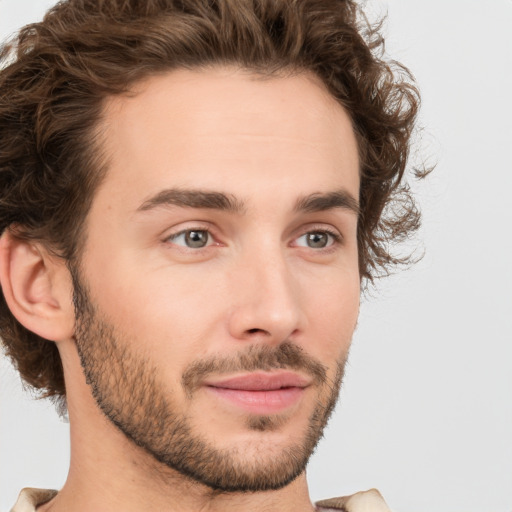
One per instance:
(261,392)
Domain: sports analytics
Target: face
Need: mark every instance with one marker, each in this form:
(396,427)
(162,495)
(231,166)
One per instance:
(219,288)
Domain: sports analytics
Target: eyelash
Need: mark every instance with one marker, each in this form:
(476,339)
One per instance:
(336,236)
(174,236)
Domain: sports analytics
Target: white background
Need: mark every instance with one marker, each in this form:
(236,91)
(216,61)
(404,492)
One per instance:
(426,409)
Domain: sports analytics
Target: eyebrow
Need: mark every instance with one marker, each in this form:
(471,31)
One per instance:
(193,199)
(319,202)
(196,198)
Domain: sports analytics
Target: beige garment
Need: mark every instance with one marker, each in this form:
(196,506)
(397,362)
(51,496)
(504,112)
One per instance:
(30,498)
(367,501)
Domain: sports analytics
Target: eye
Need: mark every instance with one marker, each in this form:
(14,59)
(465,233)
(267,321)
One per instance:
(317,239)
(192,238)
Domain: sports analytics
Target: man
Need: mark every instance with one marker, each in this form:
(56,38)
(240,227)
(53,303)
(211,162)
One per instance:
(192,193)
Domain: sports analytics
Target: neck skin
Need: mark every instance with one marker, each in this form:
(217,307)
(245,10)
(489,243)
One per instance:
(109,473)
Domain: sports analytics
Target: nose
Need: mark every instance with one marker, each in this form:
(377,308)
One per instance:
(267,300)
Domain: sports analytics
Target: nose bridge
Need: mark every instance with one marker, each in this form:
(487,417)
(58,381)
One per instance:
(267,296)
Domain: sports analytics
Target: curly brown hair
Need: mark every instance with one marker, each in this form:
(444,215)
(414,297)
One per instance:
(57,74)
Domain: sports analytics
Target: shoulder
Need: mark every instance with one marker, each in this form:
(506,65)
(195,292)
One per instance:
(365,501)
(31,498)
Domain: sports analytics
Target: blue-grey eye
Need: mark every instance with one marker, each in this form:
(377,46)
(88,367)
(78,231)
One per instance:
(316,240)
(197,239)
(192,238)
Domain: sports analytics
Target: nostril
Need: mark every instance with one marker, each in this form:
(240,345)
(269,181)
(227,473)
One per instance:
(256,331)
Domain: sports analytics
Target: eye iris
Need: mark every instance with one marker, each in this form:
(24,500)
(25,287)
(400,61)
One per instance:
(196,239)
(317,240)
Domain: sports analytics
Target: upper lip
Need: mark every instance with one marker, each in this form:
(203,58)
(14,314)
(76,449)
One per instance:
(261,381)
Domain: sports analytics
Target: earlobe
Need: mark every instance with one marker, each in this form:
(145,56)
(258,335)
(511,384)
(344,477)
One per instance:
(37,288)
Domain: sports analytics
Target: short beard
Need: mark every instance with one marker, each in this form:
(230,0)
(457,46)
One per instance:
(125,388)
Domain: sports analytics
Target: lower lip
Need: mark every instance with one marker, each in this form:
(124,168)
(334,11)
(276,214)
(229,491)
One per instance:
(260,402)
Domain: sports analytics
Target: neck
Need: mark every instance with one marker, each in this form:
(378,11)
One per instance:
(98,480)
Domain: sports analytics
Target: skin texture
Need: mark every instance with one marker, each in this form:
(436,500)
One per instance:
(125,387)
(278,275)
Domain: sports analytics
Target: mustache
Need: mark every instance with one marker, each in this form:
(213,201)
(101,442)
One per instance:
(286,356)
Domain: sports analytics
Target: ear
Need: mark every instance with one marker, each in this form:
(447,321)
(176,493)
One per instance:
(37,288)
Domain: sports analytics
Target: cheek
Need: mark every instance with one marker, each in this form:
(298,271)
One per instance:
(333,317)
(164,316)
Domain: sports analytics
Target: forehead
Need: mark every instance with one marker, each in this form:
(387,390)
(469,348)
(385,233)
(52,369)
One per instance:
(226,127)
